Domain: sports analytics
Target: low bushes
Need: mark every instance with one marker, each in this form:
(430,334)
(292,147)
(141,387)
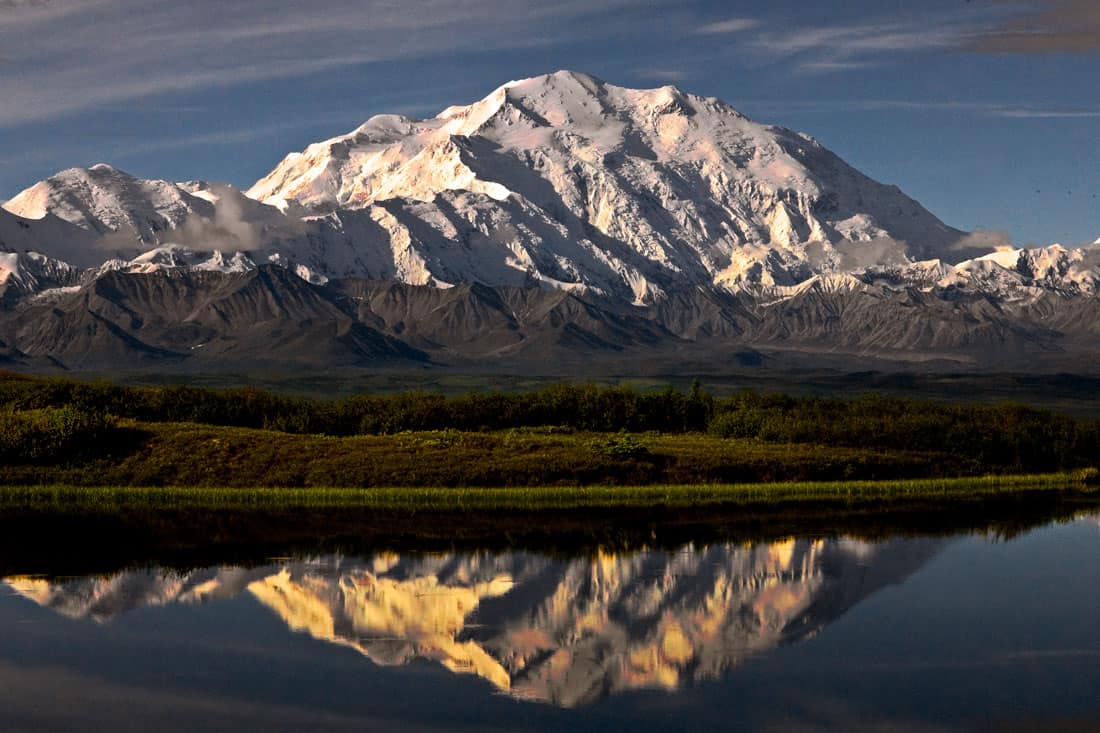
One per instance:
(197,455)
(975,438)
(51,435)
(1003,437)
(581,407)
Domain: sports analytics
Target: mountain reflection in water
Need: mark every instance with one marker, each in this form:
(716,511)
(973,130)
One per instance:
(560,631)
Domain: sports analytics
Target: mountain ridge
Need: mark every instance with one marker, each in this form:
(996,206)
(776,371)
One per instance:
(267,316)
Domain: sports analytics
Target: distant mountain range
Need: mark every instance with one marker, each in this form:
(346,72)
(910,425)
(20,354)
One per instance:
(560,219)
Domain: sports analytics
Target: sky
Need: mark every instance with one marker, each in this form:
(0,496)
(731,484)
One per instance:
(986,111)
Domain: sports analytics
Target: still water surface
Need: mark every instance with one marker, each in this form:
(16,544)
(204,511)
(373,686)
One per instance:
(925,633)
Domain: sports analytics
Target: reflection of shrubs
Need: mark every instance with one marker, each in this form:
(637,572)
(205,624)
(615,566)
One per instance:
(51,435)
(624,447)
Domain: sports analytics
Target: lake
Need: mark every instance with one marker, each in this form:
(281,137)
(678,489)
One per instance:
(922,630)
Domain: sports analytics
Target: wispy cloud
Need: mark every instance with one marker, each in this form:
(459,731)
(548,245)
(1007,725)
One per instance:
(215,138)
(73,55)
(981,109)
(1047,114)
(669,75)
(732,25)
(854,46)
(1044,26)
(71,89)
(988,109)
(826,66)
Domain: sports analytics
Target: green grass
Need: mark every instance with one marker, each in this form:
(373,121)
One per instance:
(857,493)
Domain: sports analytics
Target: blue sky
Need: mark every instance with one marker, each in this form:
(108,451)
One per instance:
(987,111)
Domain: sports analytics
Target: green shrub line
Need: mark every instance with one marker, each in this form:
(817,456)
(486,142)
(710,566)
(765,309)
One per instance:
(1004,438)
(65,432)
(434,499)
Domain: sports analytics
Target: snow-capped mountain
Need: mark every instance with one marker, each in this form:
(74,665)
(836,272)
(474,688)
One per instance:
(30,272)
(560,180)
(566,180)
(125,217)
(1009,270)
(107,201)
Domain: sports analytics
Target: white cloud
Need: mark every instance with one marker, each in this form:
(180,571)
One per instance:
(669,75)
(845,47)
(825,66)
(733,25)
(981,109)
(1047,114)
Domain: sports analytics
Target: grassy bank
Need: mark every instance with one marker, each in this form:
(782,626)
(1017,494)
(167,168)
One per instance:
(526,499)
(67,433)
(171,454)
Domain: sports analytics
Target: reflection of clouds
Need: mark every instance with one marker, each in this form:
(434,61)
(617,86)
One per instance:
(567,632)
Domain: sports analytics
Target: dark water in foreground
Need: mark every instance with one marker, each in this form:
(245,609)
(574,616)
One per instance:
(910,633)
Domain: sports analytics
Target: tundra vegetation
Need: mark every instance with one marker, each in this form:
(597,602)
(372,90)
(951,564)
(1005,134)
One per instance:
(67,433)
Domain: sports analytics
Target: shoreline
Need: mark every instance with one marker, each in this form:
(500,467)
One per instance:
(863,494)
(54,532)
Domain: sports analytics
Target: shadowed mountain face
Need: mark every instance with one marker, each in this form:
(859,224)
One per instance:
(260,316)
(198,319)
(565,632)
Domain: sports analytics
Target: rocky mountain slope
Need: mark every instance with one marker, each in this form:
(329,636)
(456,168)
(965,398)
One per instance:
(190,318)
(565,632)
(260,316)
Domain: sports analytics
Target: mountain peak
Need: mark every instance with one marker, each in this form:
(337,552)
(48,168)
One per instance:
(106,200)
(559,76)
(560,79)
(97,172)
(617,190)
